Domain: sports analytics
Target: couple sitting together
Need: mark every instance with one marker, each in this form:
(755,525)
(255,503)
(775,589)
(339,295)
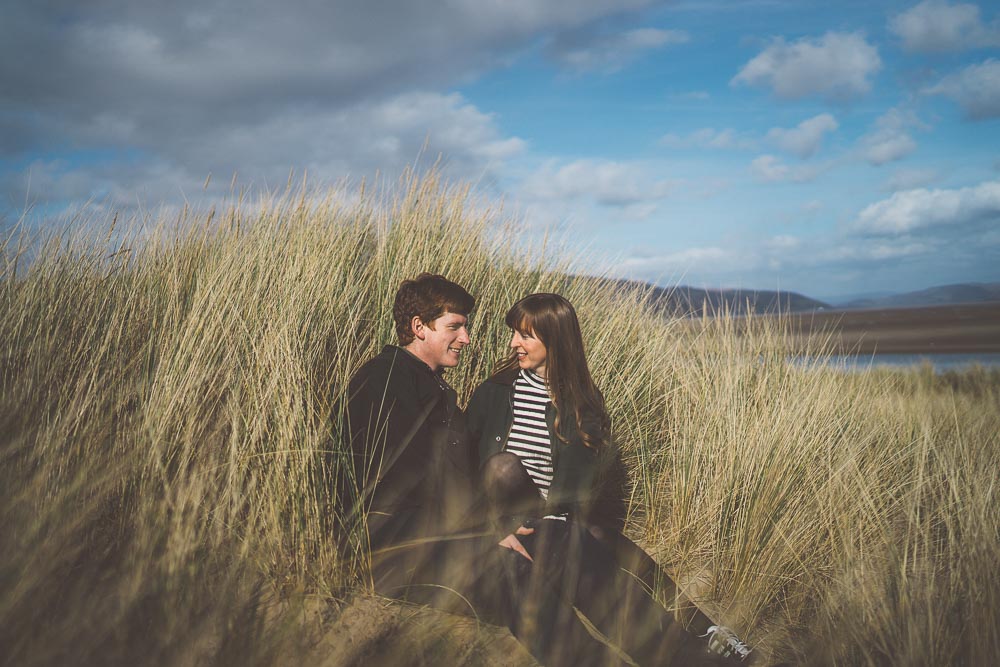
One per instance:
(513,509)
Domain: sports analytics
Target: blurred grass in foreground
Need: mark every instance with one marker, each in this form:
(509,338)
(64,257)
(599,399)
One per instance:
(170,442)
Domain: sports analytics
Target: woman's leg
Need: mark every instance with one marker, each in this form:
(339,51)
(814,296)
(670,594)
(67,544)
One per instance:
(653,578)
(611,581)
(543,617)
(511,495)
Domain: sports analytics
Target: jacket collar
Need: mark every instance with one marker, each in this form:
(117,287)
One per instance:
(402,355)
(506,377)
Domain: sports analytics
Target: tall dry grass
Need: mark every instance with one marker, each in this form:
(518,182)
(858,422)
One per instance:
(170,441)
(836,517)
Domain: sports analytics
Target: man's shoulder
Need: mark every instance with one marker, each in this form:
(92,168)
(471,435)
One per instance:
(392,366)
(384,359)
(390,361)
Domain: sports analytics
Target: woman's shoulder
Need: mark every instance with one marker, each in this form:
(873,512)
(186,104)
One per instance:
(504,377)
(501,381)
(496,385)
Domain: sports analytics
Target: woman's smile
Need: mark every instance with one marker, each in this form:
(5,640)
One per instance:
(531,352)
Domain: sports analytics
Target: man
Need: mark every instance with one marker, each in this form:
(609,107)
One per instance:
(413,472)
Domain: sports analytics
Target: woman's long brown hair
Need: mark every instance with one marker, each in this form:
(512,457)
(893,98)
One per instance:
(552,320)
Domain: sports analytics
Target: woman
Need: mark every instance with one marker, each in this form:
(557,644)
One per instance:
(542,405)
(554,480)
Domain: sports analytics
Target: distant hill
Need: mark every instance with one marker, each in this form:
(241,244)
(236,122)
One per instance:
(684,300)
(933,296)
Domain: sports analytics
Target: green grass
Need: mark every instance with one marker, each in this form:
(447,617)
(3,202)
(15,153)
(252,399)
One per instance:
(169,438)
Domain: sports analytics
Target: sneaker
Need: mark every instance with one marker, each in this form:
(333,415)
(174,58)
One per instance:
(723,641)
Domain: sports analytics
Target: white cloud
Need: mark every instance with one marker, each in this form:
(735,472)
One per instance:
(869,252)
(214,85)
(837,66)
(697,256)
(386,135)
(770,169)
(608,183)
(783,242)
(90,193)
(452,125)
(726,139)
(586,52)
(639,210)
(910,179)
(890,148)
(976,89)
(806,138)
(913,210)
(707,259)
(812,263)
(935,26)
(890,140)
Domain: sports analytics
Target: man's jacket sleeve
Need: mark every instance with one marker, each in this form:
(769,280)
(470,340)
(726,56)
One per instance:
(382,409)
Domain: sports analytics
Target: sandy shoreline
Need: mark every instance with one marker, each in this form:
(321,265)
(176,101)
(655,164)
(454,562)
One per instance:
(964,328)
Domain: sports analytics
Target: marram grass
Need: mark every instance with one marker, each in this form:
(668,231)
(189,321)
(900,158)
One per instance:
(170,442)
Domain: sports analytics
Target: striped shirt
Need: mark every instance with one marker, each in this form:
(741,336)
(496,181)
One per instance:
(529,434)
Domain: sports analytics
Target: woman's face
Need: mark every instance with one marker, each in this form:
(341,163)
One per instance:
(531,352)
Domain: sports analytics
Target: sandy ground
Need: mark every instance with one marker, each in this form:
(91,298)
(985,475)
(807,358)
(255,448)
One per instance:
(370,630)
(971,328)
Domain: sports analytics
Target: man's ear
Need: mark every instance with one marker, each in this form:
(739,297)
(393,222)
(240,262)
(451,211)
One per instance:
(417,327)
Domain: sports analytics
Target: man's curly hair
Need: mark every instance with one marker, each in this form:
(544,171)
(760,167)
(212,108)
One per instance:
(428,296)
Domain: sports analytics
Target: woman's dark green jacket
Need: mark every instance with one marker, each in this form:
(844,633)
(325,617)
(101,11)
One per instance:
(588,484)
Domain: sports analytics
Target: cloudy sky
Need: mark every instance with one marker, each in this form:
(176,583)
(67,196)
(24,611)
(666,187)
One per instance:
(827,148)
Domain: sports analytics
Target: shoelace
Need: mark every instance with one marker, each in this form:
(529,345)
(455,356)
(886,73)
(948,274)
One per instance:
(727,639)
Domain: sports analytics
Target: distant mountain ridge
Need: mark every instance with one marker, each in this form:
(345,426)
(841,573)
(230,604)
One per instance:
(695,301)
(933,296)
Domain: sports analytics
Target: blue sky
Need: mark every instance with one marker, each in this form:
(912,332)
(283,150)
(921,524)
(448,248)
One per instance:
(827,149)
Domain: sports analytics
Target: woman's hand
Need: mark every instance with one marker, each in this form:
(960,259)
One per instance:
(511,541)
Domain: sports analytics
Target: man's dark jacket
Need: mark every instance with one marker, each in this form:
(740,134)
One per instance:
(408,446)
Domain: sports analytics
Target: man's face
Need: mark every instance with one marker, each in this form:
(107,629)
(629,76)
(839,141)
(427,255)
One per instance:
(443,340)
